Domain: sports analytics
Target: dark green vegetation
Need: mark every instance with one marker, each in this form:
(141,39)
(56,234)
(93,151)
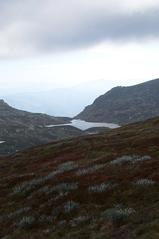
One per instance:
(124,105)
(20,129)
(100,186)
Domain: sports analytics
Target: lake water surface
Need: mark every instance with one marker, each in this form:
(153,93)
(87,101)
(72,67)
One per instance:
(84,125)
(1,142)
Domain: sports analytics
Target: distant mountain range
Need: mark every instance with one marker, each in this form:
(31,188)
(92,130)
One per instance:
(59,102)
(123,105)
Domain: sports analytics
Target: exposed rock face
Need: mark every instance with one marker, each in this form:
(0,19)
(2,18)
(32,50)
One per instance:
(124,105)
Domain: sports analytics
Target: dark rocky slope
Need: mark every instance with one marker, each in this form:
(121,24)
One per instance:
(124,105)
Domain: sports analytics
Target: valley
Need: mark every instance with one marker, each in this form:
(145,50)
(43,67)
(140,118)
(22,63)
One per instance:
(66,178)
(79,119)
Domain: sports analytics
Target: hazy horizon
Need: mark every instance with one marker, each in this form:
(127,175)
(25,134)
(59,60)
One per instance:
(68,101)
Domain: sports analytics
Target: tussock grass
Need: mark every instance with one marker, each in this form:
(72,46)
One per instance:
(70,206)
(144,182)
(103,187)
(117,214)
(129,159)
(89,170)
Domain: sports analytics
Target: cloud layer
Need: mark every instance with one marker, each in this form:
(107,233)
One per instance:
(36,26)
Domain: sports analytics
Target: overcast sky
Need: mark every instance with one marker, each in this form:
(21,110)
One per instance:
(45,44)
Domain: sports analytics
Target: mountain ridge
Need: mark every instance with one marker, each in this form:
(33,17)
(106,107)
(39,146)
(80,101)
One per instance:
(123,105)
(29,118)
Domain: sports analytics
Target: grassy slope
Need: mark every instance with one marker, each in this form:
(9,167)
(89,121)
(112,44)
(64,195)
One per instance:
(35,202)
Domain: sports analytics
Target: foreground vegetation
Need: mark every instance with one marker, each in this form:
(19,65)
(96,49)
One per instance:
(97,186)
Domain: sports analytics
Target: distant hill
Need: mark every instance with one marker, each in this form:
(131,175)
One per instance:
(9,114)
(102,186)
(20,129)
(123,105)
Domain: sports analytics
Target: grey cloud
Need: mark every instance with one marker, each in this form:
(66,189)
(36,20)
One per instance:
(98,28)
(57,25)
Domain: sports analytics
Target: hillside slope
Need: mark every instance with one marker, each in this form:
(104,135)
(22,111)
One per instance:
(20,129)
(123,105)
(102,186)
(10,115)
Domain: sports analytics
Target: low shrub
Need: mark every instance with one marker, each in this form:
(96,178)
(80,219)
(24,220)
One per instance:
(18,212)
(61,188)
(79,220)
(26,222)
(70,206)
(28,186)
(117,214)
(101,187)
(45,219)
(90,170)
(144,182)
(64,187)
(68,166)
(129,159)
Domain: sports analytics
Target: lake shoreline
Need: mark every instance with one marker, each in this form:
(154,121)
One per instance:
(84,125)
